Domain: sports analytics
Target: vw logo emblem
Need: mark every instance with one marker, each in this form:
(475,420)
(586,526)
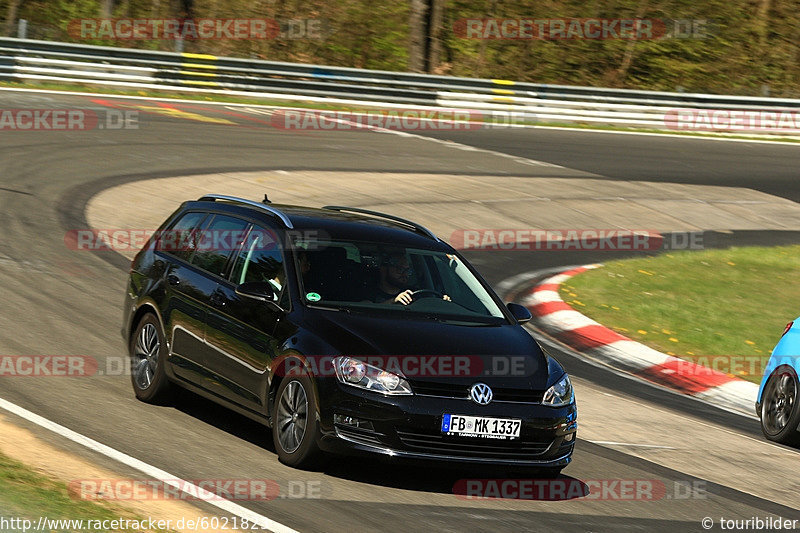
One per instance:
(480,393)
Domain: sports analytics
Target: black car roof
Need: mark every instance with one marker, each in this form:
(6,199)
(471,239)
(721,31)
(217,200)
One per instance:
(329,223)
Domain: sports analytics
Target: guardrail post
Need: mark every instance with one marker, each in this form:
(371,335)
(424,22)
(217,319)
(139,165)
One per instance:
(22,29)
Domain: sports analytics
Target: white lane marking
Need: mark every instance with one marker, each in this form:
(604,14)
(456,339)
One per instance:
(161,475)
(254,110)
(565,321)
(633,355)
(557,280)
(612,443)
(512,282)
(738,393)
(541,297)
(398,106)
(452,144)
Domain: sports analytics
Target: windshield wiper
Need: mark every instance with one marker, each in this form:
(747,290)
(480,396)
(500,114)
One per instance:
(459,321)
(330,308)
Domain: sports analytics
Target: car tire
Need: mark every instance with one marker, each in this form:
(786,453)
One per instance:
(780,407)
(148,354)
(295,423)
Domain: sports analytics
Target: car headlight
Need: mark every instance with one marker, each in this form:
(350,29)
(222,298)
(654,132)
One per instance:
(560,394)
(351,371)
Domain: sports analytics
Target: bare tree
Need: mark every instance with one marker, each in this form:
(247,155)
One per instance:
(435,35)
(762,22)
(417,35)
(11,17)
(630,47)
(107,8)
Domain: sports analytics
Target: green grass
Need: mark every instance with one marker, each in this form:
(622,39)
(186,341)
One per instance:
(99,90)
(696,304)
(25,493)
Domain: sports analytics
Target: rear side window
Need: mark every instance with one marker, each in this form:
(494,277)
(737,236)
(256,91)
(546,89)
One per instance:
(181,239)
(216,243)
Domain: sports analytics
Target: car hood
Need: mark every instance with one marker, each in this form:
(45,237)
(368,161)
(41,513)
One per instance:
(434,352)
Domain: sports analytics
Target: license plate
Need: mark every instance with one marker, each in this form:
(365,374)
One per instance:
(481,426)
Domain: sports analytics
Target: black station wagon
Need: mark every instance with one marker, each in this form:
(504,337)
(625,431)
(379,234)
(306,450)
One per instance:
(345,331)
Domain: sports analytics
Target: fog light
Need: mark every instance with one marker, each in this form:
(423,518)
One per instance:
(570,437)
(350,421)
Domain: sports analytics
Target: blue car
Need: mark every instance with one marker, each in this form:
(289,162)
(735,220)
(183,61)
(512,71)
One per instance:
(778,403)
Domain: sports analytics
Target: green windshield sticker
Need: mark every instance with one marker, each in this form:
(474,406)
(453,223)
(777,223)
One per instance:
(313,297)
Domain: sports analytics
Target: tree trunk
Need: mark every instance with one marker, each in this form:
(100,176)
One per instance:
(106,8)
(627,57)
(188,8)
(482,45)
(435,35)
(762,22)
(11,18)
(417,35)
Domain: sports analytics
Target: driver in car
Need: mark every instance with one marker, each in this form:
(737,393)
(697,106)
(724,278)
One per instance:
(395,272)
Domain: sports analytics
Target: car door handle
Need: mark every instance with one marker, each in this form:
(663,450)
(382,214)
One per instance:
(173,280)
(216,299)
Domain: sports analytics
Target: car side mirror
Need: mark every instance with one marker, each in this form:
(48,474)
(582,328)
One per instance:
(258,290)
(520,312)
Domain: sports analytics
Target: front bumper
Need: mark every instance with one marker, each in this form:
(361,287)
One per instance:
(410,427)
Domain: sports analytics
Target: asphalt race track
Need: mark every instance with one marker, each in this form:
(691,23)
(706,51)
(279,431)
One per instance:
(59,301)
(622,156)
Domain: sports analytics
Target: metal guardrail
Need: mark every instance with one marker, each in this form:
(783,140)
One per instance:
(23,59)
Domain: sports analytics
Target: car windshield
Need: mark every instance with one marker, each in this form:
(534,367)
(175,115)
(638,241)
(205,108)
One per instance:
(382,278)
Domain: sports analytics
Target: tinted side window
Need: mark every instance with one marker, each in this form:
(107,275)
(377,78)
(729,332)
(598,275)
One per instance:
(217,242)
(260,260)
(181,239)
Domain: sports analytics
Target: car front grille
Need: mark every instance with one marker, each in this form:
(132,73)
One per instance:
(444,390)
(472,446)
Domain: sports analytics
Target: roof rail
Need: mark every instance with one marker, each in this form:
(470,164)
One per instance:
(252,203)
(421,229)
